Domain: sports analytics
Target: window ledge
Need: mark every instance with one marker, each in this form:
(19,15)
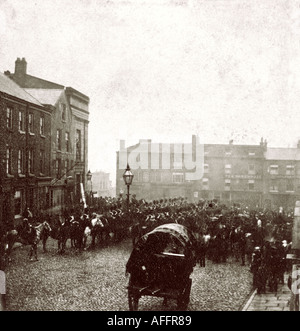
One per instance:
(22,132)
(31,175)
(10,176)
(42,136)
(31,134)
(21,175)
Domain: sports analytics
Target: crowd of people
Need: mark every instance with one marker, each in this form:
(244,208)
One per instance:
(254,237)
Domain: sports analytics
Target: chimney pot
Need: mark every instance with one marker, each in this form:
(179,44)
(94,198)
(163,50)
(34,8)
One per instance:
(20,71)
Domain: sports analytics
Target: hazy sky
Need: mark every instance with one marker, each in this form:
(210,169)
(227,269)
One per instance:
(165,69)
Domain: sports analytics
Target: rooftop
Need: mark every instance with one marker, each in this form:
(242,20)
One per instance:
(8,86)
(45,96)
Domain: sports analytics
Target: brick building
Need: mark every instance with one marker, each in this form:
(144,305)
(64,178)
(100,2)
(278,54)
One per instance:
(255,175)
(25,151)
(69,135)
(160,170)
(282,176)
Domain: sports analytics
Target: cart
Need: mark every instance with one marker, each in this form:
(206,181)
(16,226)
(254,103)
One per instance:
(160,265)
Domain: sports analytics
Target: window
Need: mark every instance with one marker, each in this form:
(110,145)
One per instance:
(251,153)
(206,168)
(67,139)
(227,184)
(66,166)
(273,185)
(42,161)
(21,121)
(178,177)
(42,125)
(290,186)
(63,108)
(251,186)
(227,169)
(58,139)
(57,167)
(30,123)
(146,177)
(228,153)
(290,170)
(78,145)
(138,176)
(157,176)
(9,117)
(8,161)
(251,169)
(31,161)
(273,169)
(21,164)
(18,202)
(205,184)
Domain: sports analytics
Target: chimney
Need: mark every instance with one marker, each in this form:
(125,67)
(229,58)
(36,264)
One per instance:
(298,144)
(261,142)
(20,71)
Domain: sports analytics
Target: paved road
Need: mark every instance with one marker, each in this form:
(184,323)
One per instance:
(96,280)
(270,301)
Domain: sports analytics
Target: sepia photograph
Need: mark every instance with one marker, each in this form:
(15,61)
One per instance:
(149,157)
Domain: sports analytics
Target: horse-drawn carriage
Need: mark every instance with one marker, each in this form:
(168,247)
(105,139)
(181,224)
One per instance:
(160,265)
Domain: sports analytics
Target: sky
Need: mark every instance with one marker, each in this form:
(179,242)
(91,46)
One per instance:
(165,69)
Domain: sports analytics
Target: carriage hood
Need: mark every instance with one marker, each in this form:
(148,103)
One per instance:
(178,231)
(172,239)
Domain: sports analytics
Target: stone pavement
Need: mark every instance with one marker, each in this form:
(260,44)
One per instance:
(270,301)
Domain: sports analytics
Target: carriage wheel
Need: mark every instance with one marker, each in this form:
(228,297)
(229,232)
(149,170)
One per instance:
(133,301)
(184,299)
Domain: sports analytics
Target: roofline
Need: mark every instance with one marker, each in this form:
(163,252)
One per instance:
(59,86)
(6,95)
(70,90)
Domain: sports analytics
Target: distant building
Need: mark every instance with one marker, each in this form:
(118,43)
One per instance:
(282,176)
(25,152)
(233,173)
(102,185)
(163,172)
(254,175)
(69,135)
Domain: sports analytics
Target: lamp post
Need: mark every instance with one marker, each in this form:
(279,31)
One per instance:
(128,177)
(89,179)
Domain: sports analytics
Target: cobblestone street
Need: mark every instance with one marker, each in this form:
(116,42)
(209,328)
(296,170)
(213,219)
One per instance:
(96,280)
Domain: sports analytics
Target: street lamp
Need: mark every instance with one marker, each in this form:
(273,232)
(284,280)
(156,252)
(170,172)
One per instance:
(128,177)
(89,175)
(89,179)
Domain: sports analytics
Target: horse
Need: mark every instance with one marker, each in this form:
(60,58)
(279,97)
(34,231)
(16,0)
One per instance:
(79,232)
(60,231)
(98,228)
(31,235)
